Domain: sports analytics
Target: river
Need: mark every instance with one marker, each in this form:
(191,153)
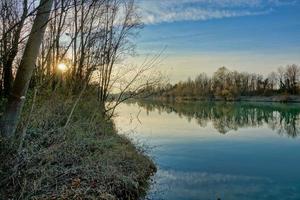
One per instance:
(210,151)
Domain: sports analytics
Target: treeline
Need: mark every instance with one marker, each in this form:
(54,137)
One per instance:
(228,85)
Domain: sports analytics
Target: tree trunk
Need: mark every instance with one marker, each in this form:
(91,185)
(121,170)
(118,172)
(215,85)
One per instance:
(17,97)
(8,78)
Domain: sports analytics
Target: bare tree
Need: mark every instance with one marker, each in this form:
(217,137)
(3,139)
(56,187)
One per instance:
(273,78)
(16,99)
(292,75)
(13,15)
(132,82)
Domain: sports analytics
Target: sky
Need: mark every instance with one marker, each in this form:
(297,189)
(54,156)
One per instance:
(202,35)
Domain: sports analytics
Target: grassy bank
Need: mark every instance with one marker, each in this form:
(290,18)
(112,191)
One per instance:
(85,160)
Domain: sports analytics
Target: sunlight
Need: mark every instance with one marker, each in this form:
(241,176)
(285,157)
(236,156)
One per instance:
(62,67)
(150,99)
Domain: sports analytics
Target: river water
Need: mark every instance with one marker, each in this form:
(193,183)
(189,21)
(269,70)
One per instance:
(227,151)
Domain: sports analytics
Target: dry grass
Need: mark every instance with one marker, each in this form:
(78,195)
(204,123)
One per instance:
(85,160)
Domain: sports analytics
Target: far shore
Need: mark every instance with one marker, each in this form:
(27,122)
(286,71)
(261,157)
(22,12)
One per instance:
(274,98)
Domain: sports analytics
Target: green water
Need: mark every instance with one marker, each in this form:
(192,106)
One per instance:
(218,150)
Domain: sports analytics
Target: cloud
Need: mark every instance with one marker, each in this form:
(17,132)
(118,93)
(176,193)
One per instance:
(154,12)
(196,14)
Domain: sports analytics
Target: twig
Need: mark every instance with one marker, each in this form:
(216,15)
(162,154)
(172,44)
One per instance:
(74,106)
(27,121)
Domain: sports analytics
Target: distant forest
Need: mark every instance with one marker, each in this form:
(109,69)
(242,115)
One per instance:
(228,85)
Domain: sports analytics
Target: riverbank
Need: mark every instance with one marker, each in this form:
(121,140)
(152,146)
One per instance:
(85,160)
(274,98)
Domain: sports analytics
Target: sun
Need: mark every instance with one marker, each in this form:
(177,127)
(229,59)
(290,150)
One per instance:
(62,67)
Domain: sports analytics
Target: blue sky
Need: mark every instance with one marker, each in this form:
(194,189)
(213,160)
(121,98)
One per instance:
(203,35)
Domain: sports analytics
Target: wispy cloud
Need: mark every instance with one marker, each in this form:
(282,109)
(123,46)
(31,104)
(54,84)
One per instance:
(196,14)
(154,12)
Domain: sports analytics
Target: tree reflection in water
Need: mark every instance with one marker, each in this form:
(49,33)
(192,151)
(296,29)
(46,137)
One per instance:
(226,116)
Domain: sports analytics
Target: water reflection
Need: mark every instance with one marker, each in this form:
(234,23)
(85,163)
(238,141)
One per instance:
(227,116)
(196,163)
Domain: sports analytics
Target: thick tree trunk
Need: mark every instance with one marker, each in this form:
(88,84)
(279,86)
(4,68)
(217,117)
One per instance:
(8,78)
(17,97)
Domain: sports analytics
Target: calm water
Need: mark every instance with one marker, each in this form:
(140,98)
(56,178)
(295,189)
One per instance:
(231,151)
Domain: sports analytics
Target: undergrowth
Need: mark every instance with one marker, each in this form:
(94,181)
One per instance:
(86,159)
